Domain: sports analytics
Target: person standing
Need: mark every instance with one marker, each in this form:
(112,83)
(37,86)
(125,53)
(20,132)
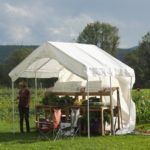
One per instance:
(23,106)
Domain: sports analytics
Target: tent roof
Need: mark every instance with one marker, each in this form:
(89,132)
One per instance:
(74,60)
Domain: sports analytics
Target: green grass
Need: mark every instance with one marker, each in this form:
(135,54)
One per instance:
(142,128)
(31,141)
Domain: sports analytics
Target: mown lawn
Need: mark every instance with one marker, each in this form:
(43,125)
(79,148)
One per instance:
(31,141)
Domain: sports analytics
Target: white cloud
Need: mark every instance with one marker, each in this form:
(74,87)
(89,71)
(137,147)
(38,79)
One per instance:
(56,31)
(130,31)
(18,33)
(69,28)
(35,21)
(17,11)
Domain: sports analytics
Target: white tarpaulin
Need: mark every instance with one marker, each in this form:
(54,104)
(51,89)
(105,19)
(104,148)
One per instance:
(81,62)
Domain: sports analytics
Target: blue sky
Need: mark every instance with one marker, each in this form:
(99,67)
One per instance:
(37,21)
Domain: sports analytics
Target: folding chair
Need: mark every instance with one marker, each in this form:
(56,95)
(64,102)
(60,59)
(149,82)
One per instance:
(56,122)
(44,128)
(69,128)
(75,116)
(43,121)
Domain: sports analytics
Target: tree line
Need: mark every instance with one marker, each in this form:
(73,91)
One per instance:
(104,36)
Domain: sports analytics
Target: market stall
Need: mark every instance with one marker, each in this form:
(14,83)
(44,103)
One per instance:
(82,62)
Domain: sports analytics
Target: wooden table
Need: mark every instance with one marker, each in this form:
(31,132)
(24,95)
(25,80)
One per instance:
(101,109)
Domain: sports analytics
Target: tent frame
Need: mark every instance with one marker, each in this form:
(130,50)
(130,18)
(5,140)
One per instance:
(85,61)
(88,109)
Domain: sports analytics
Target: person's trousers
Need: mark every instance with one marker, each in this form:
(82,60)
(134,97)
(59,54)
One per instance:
(24,114)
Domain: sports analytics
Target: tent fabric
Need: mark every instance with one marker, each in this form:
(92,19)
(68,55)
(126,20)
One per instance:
(81,62)
(66,86)
(128,107)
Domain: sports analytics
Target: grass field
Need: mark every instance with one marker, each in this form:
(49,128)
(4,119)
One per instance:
(102,143)
(31,141)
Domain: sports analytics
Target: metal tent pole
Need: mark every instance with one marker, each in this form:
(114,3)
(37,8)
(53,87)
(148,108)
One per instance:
(130,97)
(111,109)
(13,108)
(88,110)
(35,92)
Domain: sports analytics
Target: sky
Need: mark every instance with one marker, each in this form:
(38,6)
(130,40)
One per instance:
(33,22)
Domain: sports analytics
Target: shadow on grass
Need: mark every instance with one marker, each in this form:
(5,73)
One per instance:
(22,138)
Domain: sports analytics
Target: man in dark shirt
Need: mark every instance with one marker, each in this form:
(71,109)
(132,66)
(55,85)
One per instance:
(24,100)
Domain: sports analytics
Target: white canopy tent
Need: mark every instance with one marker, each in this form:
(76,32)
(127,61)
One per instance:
(80,62)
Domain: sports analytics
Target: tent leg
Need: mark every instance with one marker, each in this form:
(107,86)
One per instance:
(88,111)
(102,121)
(111,110)
(130,97)
(35,92)
(13,108)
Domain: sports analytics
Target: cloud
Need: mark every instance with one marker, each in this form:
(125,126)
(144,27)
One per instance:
(67,29)
(17,11)
(18,33)
(36,21)
(130,31)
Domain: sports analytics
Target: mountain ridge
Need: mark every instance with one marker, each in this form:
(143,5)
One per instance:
(6,50)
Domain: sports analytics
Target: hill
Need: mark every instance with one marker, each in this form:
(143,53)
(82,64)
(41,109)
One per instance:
(6,50)
(122,52)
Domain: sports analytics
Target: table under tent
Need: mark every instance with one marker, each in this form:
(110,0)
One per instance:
(99,104)
(84,63)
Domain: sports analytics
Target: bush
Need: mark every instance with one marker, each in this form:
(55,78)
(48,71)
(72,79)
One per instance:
(142,102)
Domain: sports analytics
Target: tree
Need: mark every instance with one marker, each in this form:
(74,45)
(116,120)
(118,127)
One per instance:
(17,56)
(144,59)
(13,59)
(1,74)
(139,60)
(103,35)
